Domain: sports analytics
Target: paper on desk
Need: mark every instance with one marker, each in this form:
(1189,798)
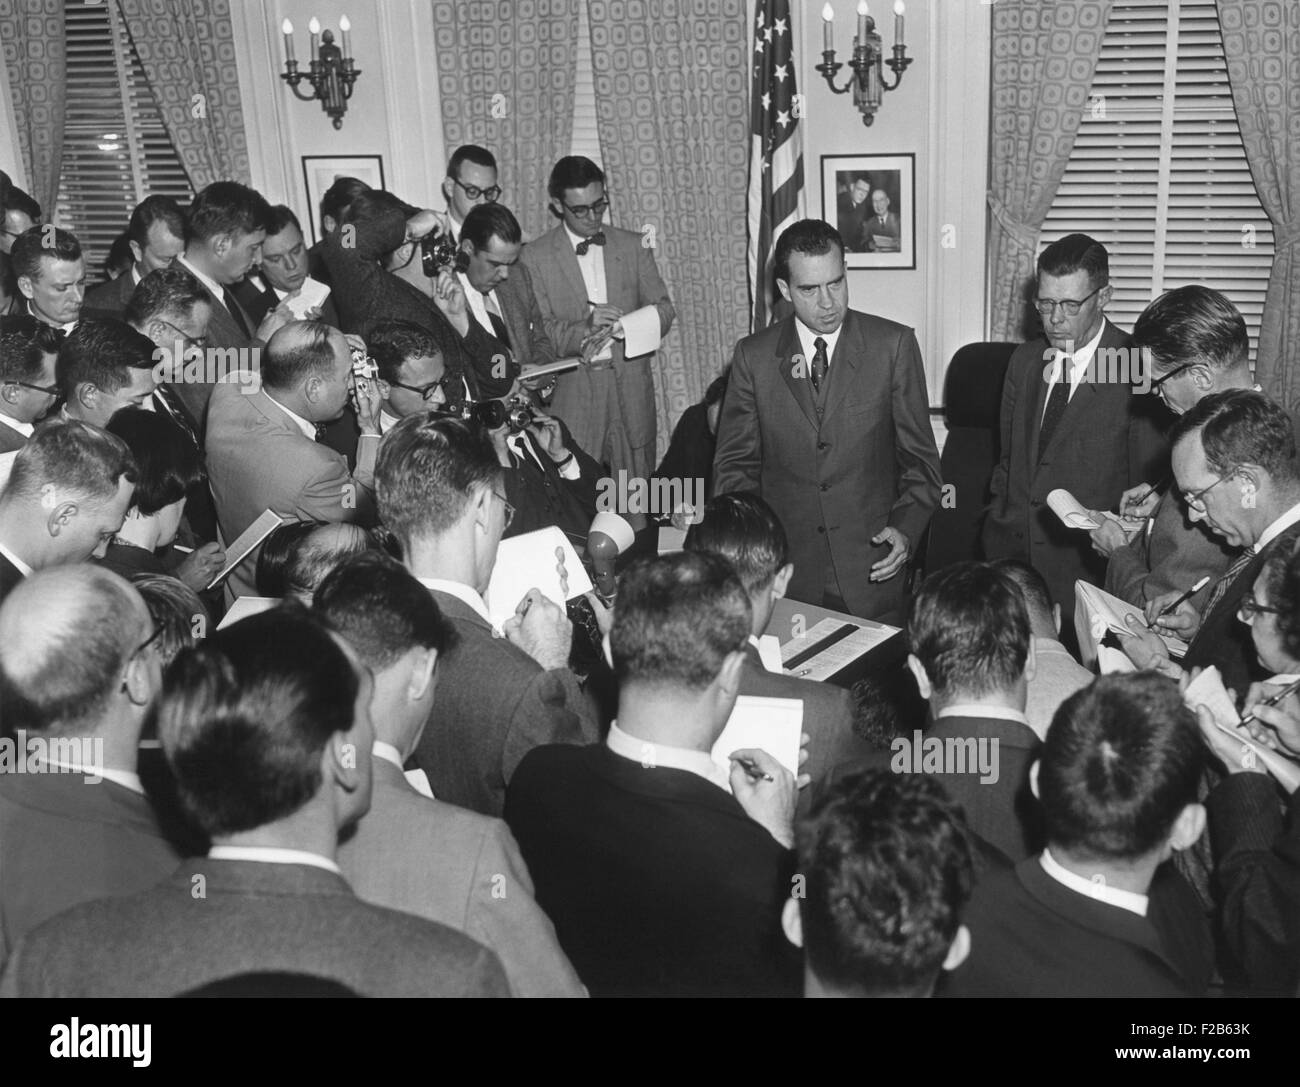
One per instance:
(773,724)
(528,562)
(641,335)
(247,542)
(1207,690)
(836,656)
(245,606)
(311,295)
(1105,612)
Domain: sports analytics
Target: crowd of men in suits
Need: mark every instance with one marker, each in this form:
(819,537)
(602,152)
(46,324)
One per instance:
(376,788)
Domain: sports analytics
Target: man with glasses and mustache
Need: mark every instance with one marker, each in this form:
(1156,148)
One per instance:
(28,349)
(1071,420)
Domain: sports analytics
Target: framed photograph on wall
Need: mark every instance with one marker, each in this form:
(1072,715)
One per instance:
(319,172)
(871,200)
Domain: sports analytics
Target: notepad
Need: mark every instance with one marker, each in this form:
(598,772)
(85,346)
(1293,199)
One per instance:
(311,295)
(641,332)
(1105,612)
(247,542)
(1207,690)
(774,725)
(529,562)
(245,606)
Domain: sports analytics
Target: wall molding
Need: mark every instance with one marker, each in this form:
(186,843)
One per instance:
(413,103)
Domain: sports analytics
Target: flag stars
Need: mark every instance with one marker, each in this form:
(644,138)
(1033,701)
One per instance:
(783,117)
(767,101)
(782,72)
(780,26)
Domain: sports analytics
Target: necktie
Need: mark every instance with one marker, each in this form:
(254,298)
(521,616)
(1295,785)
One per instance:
(819,364)
(596,239)
(165,398)
(238,314)
(494,315)
(1224,583)
(1057,401)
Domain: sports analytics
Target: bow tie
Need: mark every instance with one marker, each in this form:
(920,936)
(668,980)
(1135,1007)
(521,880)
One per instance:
(596,239)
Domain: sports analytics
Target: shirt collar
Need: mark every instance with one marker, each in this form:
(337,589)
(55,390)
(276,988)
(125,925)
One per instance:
(462,593)
(656,756)
(18,426)
(974,709)
(1082,356)
(1291,517)
(62,328)
(386,421)
(1096,888)
(135,276)
(387,752)
(576,240)
(308,429)
(18,563)
(807,337)
(125,778)
(212,285)
(266,854)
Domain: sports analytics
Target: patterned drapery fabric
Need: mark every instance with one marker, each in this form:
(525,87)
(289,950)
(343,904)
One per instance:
(1044,58)
(506,73)
(33,44)
(187,50)
(672,108)
(1261,40)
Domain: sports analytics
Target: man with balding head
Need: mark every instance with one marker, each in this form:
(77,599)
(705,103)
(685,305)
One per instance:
(79,669)
(66,499)
(261,442)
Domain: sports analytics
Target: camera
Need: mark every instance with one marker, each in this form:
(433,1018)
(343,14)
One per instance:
(364,369)
(494,414)
(438,251)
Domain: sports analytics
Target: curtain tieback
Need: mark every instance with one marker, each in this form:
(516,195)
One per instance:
(1023,235)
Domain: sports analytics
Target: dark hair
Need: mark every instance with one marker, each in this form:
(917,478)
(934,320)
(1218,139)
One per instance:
(102,352)
(392,343)
(320,551)
(226,207)
(167,464)
(167,290)
(381,610)
(280,219)
(573,172)
(120,258)
(74,458)
(176,610)
(1076,253)
(487,221)
(745,531)
(479,156)
(678,617)
(297,352)
(888,873)
(274,555)
(244,717)
(339,196)
(1122,758)
(1281,575)
(8,277)
(151,210)
(1032,585)
(809,237)
(1192,324)
(374,204)
(428,467)
(29,249)
(717,389)
(24,344)
(1241,427)
(20,201)
(74,649)
(969,629)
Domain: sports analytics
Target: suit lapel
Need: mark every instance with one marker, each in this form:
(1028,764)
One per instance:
(567,260)
(1037,393)
(799,384)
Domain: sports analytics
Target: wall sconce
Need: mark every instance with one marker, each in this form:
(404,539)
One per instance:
(332,73)
(868,79)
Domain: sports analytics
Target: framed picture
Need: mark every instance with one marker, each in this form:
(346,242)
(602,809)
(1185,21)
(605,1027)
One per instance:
(319,172)
(871,200)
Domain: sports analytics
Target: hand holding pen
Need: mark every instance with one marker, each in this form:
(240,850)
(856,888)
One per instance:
(1174,614)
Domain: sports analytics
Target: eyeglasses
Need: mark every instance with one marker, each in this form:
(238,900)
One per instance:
(1196,499)
(588,211)
(474,192)
(426,391)
(48,390)
(1068,305)
(190,341)
(510,510)
(1155,385)
(1249,608)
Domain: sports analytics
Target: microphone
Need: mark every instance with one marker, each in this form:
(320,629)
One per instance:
(609,537)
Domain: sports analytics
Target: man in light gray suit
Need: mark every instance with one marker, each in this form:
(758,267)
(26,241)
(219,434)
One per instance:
(411,852)
(262,443)
(261,726)
(587,276)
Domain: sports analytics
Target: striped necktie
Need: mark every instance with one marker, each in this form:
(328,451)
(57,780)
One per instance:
(1224,583)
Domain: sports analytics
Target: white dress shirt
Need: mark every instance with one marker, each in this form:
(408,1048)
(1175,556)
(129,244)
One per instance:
(1079,363)
(972,709)
(1291,517)
(21,566)
(216,288)
(17,425)
(1095,888)
(462,593)
(809,348)
(655,756)
(268,854)
(62,328)
(308,429)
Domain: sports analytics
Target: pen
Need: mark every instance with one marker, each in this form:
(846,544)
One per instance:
(752,769)
(1181,600)
(1149,492)
(1285,693)
(183,550)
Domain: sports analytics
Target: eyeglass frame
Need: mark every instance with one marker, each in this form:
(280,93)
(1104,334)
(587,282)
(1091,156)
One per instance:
(588,211)
(1196,500)
(510,510)
(1065,303)
(1248,608)
(1155,385)
(45,390)
(426,391)
(491,194)
(201,342)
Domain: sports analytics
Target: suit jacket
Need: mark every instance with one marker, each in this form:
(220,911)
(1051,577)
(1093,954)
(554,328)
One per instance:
(10,576)
(1257,880)
(873,228)
(525,326)
(849,218)
(64,841)
(691,450)
(226,341)
(835,479)
(214,919)
(10,440)
(632,280)
(1105,443)
(1034,937)
(364,295)
(658,882)
(1174,555)
(460,869)
(1057,676)
(258,459)
(111,297)
(494,704)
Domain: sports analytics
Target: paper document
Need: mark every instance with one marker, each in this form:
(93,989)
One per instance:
(311,295)
(247,542)
(1207,690)
(1105,612)
(641,334)
(245,606)
(829,646)
(671,539)
(529,562)
(774,725)
(769,652)
(559,366)
(1069,510)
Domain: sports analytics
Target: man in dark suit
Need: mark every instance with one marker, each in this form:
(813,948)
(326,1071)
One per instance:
(826,416)
(261,726)
(1099,913)
(851,210)
(881,228)
(438,483)
(156,234)
(333,205)
(743,529)
(281,273)
(1079,427)
(663,872)
(411,852)
(79,669)
(28,389)
(66,499)
(587,276)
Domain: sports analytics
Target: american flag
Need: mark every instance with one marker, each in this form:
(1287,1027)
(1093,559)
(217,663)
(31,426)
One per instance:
(776,156)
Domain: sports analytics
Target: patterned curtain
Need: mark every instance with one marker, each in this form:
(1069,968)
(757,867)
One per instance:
(1044,58)
(506,76)
(34,47)
(188,52)
(1261,40)
(672,108)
